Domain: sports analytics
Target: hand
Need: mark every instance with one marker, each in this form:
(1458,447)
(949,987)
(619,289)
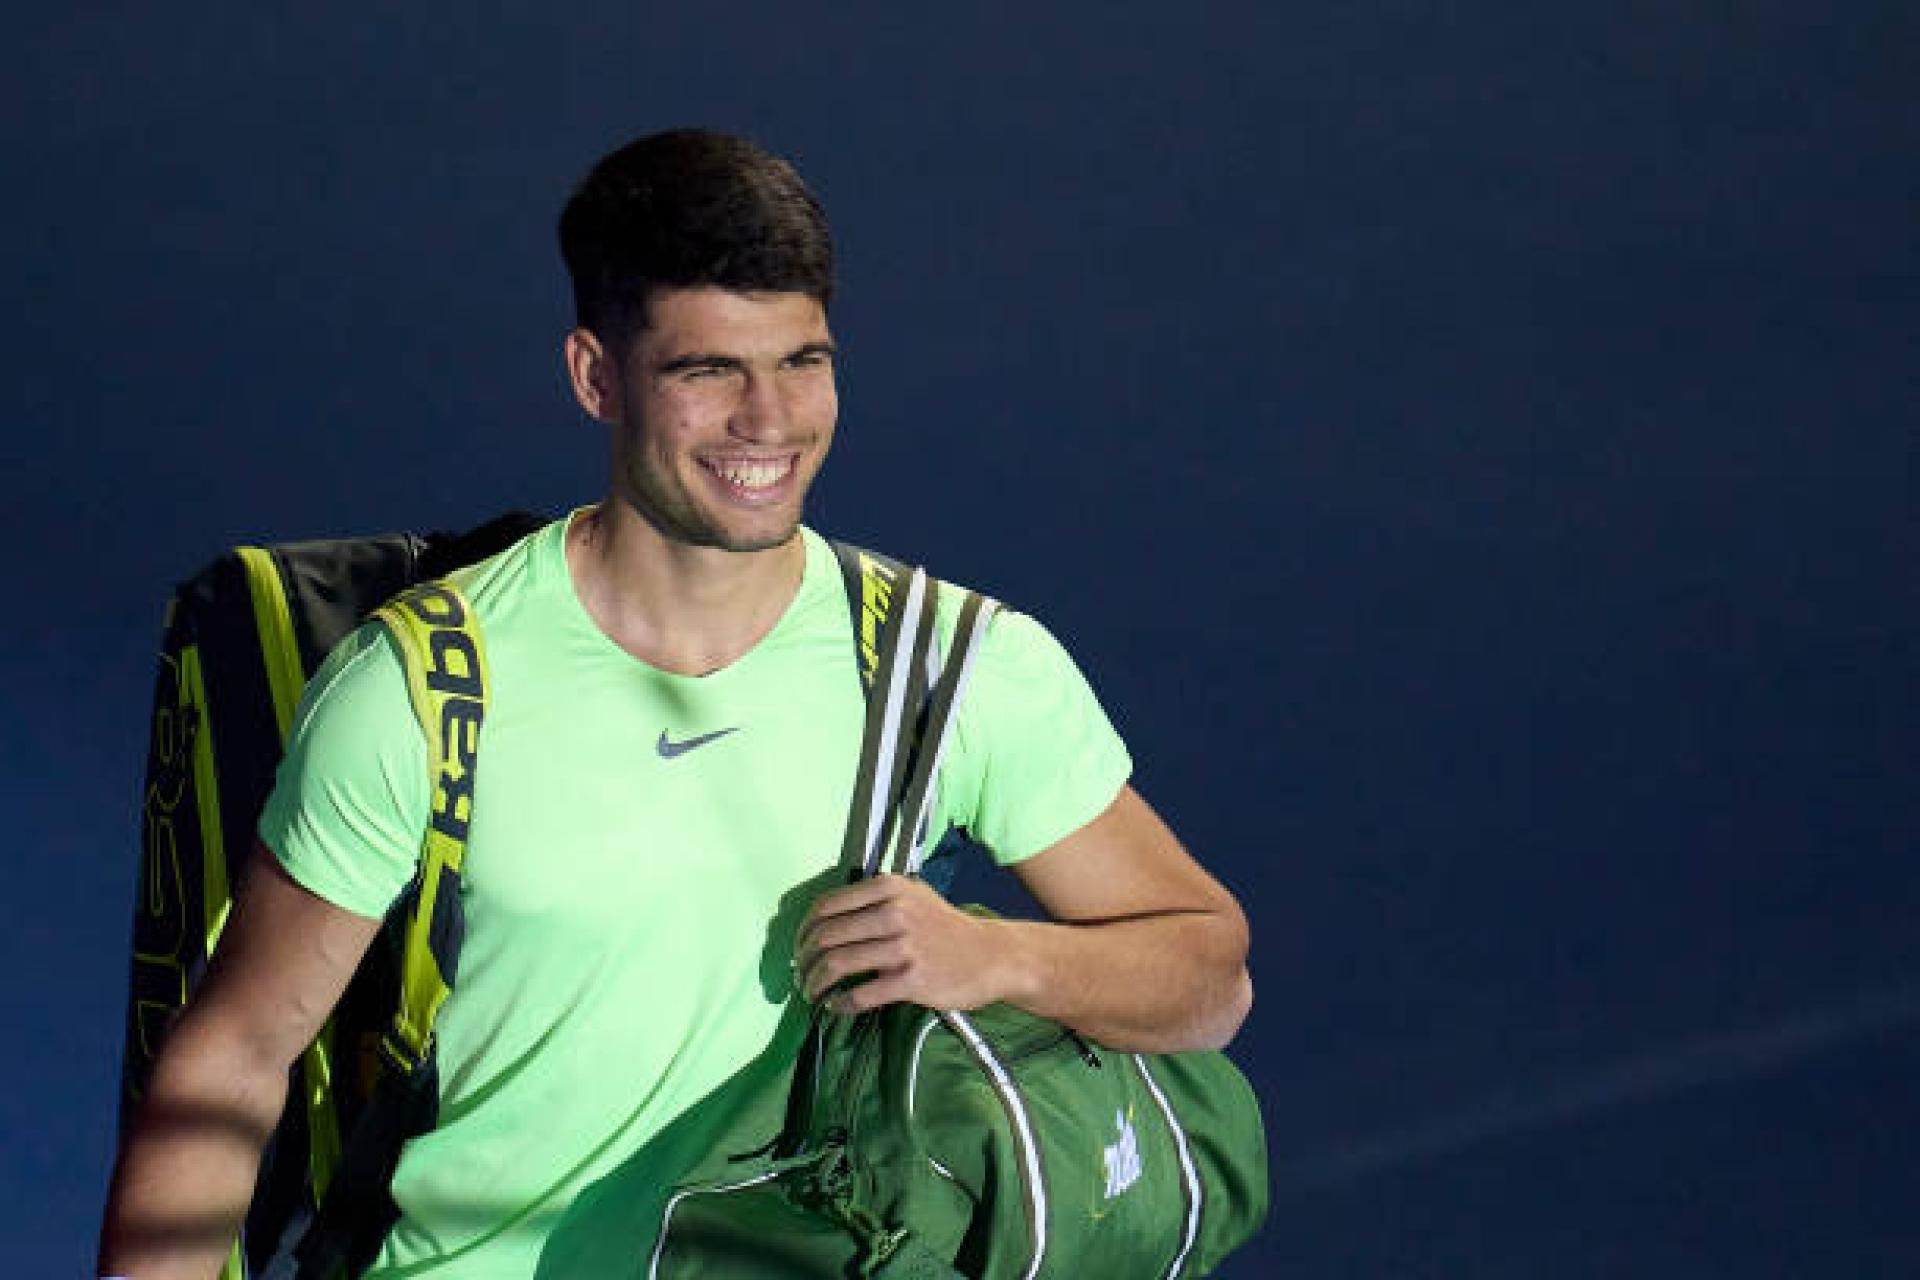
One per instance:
(915,945)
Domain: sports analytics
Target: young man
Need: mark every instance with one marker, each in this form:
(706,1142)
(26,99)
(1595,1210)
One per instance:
(667,758)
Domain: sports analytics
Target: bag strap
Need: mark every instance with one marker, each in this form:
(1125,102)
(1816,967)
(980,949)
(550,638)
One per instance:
(893,612)
(915,805)
(908,712)
(441,650)
(433,627)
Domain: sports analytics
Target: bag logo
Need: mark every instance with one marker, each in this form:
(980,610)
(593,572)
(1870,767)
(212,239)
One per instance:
(453,672)
(1122,1157)
(876,600)
(670,749)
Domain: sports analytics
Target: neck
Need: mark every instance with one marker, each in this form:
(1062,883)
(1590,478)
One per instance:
(685,609)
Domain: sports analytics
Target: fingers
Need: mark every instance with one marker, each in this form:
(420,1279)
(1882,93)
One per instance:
(830,968)
(876,924)
(882,989)
(871,909)
(846,916)
(894,939)
(857,897)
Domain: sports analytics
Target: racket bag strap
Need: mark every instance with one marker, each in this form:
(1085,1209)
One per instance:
(358,1210)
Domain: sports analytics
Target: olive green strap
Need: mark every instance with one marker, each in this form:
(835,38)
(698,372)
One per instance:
(893,609)
(914,805)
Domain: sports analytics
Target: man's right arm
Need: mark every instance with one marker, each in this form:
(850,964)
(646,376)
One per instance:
(188,1164)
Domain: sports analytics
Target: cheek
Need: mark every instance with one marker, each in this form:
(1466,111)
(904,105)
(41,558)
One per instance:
(663,422)
(817,405)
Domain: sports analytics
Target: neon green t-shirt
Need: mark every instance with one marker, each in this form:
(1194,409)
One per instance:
(630,899)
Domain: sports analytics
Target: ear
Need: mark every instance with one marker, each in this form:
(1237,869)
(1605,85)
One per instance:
(594,374)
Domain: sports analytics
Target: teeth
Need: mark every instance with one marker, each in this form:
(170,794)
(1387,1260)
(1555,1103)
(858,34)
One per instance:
(749,475)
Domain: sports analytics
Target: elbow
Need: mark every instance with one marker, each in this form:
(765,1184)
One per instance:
(1242,1003)
(1229,1014)
(1236,1001)
(1226,996)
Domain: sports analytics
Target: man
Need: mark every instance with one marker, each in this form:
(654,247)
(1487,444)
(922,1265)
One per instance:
(661,787)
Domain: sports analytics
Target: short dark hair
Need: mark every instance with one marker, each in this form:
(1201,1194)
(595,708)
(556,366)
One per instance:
(685,208)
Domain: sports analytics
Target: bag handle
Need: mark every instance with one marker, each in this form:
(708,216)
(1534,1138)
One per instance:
(916,801)
(893,612)
(908,715)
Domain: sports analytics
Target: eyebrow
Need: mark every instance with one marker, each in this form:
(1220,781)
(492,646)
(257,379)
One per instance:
(714,360)
(697,360)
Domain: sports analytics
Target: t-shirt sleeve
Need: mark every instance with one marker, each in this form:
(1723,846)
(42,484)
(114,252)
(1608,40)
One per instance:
(1034,757)
(350,800)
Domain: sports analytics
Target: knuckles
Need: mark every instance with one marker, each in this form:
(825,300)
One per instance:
(917,925)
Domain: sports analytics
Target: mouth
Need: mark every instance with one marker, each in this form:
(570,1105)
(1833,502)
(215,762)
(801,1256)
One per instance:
(752,480)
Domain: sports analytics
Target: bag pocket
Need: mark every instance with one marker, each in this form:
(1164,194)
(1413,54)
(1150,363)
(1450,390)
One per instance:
(746,1228)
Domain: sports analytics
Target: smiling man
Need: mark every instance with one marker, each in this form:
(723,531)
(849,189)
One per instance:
(658,805)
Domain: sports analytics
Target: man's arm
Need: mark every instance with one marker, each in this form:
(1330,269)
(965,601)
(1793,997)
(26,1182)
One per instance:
(187,1168)
(1144,951)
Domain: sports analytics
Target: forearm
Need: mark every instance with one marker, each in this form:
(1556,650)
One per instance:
(188,1164)
(1159,984)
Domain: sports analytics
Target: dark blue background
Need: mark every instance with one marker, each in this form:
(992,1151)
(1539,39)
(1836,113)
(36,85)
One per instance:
(1471,450)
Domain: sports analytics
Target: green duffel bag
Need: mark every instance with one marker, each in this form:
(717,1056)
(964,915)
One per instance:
(994,1145)
(989,1145)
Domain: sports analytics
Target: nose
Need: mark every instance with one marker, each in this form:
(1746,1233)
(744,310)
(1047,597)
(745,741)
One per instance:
(762,414)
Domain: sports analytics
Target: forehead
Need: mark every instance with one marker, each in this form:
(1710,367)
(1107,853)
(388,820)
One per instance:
(722,322)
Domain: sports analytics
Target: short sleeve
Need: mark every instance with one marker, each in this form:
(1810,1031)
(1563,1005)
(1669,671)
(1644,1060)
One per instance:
(350,800)
(1034,757)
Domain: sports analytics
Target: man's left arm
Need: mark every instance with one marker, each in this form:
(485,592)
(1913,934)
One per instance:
(1143,951)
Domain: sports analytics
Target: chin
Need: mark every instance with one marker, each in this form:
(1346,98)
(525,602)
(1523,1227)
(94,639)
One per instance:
(746,541)
(748,545)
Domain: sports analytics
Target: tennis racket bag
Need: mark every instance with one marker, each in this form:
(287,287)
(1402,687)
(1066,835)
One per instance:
(241,638)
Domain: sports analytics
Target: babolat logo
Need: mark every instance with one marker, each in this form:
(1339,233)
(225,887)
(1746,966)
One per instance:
(167,954)
(453,677)
(876,600)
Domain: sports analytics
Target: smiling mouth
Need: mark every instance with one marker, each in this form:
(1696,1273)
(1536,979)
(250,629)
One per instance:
(751,477)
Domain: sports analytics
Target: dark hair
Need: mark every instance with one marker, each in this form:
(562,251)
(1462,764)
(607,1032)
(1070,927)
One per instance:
(684,208)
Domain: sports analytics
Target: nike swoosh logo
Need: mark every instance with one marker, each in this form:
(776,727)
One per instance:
(670,749)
